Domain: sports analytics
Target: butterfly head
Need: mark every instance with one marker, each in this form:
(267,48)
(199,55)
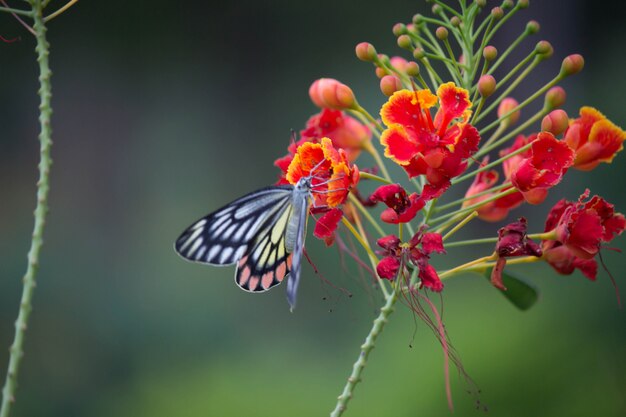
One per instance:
(304,184)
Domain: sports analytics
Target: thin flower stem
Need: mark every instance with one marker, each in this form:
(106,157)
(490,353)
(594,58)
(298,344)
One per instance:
(513,133)
(448,8)
(523,104)
(491,164)
(369,176)
(551,235)
(369,148)
(355,201)
(360,111)
(466,266)
(509,262)
(27,13)
(458,227)
(29,281)
(474,206)
(510,88)
(464,199)
(362,239)
(510,49)
(60,11)
(366,348)
(502,21)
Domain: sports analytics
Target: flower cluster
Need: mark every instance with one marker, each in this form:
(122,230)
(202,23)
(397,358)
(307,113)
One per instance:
(451,128)
(436,138)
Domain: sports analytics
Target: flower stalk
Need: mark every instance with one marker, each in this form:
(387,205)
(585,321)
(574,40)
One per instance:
(29,281)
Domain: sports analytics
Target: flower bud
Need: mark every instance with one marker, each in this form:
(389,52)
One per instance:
(412,69)
(365,51)
(399,29)
(481,3)
(532,27)
(490,53)
(522,4)
(436,9)
(486,85)
(506,106)
(555,98)
(418,53)
(544,49)
(404,42)
(389,84)
(455,21)
(572,64)
(507,4)
(418,19)
(381,72)
(497,13)
(555,122)
(398,63)
(332,94)
(441,33)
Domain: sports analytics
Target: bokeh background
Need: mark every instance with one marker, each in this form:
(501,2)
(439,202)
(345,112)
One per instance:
(163,111)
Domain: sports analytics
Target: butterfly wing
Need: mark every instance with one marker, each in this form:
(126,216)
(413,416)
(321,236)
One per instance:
(269,260)
(230,233)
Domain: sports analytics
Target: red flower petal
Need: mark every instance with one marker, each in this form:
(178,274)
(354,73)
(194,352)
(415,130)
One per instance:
(432,242)
(430,279)
(399,147)
(388,267)
(327,224)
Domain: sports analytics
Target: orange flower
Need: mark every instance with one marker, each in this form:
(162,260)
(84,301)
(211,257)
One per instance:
(331,173)
(594,139)
(435,148)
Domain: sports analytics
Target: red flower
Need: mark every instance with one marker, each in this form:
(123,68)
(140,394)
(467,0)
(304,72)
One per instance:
(548,161)
(327,224)
(333,175)
(435,148)
(594,139)
(563,260)
(417,252)
(495,210)
(401,208)
(512,242)
(584,226)
(344,131)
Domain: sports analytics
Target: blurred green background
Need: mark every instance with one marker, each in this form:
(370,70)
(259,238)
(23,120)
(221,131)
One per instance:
(163,111)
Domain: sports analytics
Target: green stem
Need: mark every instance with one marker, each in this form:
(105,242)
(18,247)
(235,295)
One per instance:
(480,194)
(492,164)
(29,282)
(27,13)
(366,348)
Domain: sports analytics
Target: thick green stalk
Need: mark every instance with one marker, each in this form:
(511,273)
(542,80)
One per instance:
(45,112)
(366,348)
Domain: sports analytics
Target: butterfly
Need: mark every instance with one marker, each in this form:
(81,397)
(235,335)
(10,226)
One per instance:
(262,233)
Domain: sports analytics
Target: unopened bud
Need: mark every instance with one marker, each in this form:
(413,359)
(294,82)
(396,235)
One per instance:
(555,122)
(522,4)
(404,42)
(572,64)
(365,51)
(455,21)
(412,69)
(481,3)
(418,19)
(418,53)
(506,106)
(389,84)
(532,27)
(497,13)
(544,49)
(332,94)
(486,85)
(381,72)
(398,63)
(436,9)
(555,98)
(441,33)
(507,4)
(490,53)
(399,29)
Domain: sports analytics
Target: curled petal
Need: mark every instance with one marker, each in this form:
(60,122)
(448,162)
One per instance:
(430,279)
(454,101)
(327,224)
(388,267)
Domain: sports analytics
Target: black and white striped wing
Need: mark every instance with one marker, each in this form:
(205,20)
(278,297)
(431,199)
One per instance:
(230,233)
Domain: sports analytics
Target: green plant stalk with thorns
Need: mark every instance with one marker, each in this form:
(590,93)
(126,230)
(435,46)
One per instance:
(42,49)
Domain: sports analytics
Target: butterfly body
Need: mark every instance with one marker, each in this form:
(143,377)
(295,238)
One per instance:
(262,233)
